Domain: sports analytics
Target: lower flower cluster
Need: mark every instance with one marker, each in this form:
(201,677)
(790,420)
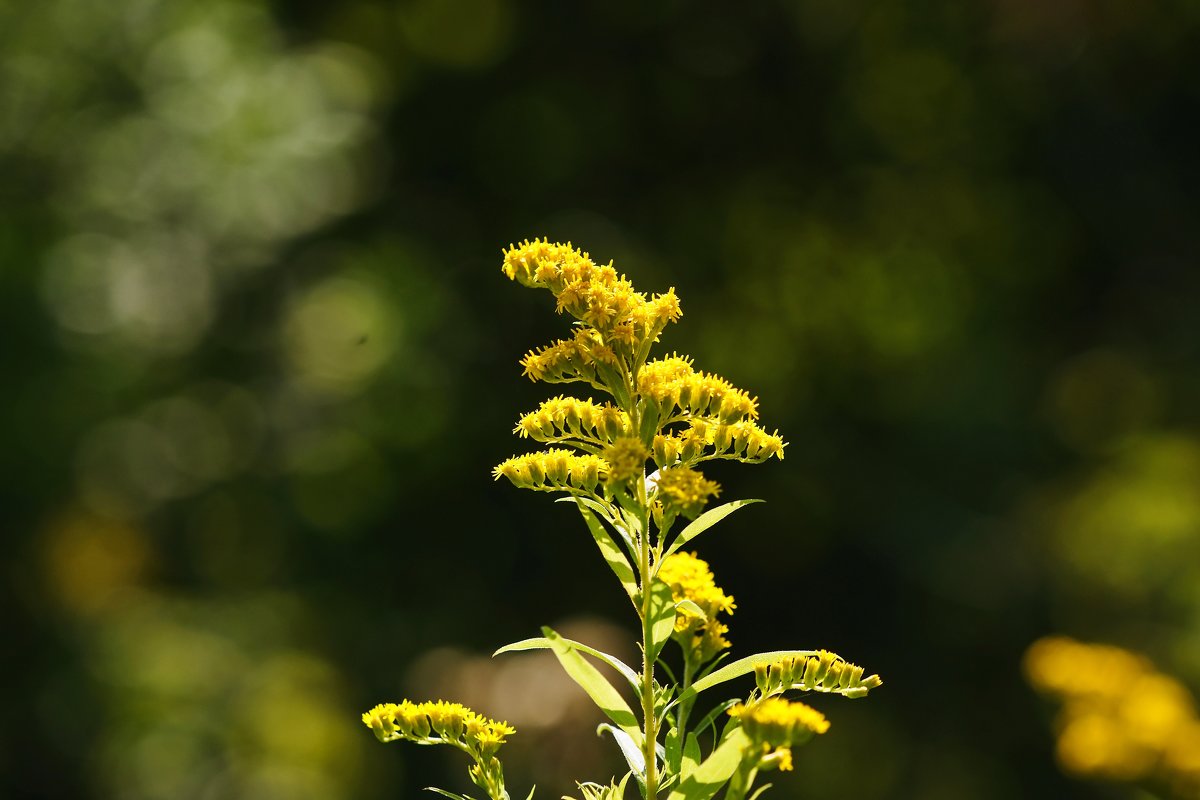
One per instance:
(440,722)
(439,719)
(775,725)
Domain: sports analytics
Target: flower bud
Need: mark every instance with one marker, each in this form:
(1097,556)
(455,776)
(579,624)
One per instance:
(762,678)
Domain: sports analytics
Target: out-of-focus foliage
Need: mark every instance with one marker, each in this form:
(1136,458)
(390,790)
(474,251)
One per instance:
(250,304)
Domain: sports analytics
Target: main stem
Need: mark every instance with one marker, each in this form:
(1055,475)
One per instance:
(651,737)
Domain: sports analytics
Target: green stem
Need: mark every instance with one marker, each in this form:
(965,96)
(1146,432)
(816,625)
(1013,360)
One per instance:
(651,723)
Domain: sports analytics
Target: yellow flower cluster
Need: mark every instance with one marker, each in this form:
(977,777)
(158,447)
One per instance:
(626,459)
(626,319)
(553,470)
(779,723)
(823,672)
(682,490)
(437,721)
(741,441)
(690,578)
(671,383)
(1121,719)
(569,417)
(566,360)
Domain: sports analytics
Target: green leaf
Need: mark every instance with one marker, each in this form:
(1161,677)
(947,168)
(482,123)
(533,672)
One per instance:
(543,643)
(705,780)
(534,789)
(631,512)
(691,607)
(739,668)
(673,742)
(711,717)
(691,755)
(632,752)
(706,521)
(444,793)
(662,616)
(606,698)
(612,553)
(759,791)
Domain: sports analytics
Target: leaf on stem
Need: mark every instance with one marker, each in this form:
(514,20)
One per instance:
(544,643)
(706,521)
(612,553)
(743,666)
(606,698)
(662,617)
(707,778)
(444,793)
(633,754)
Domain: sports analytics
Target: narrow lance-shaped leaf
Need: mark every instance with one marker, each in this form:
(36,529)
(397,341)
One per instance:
(543,643)
(742,666)
(633,754)
(662,617)
(612,553)
(444,793)
(706,521)
(691,755)
(706,779)
(606,698)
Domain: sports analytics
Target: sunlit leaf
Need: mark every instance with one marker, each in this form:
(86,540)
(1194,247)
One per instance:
(606,698)
(612,554)
(706,779)
(742,666)
(444,793)
(662,616)
(544,643)
(632,752)
(706,521)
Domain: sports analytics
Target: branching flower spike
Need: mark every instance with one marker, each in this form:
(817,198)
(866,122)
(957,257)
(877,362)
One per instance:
(628,458)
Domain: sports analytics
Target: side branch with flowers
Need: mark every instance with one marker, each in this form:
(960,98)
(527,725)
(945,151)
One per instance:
(661,412)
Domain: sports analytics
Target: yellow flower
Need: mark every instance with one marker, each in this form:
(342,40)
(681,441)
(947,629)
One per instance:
(685,491)
(541,264)
(1121,718)
(626,459)
(690,578)
(561,361)
(553,470)
(778,722)
(431,722)
(780,758)
(562,417)
(673,385)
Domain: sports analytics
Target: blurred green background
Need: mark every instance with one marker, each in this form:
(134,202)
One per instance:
(259,359)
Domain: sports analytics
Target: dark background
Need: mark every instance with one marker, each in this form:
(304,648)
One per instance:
(259,359)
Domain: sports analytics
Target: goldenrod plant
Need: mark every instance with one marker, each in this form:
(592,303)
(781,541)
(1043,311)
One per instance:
(664,417)
(1121,720)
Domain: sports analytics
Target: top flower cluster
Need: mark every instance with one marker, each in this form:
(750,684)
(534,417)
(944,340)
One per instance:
(593,294)
(610,351)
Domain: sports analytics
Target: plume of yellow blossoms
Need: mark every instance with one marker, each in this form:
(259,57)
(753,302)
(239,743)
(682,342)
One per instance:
(699,632)
(663,417)
(775,725)
(822,671)
(662,410)
(1121,719)
(440,722)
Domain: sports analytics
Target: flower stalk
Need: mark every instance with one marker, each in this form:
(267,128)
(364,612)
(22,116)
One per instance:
(665,416)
